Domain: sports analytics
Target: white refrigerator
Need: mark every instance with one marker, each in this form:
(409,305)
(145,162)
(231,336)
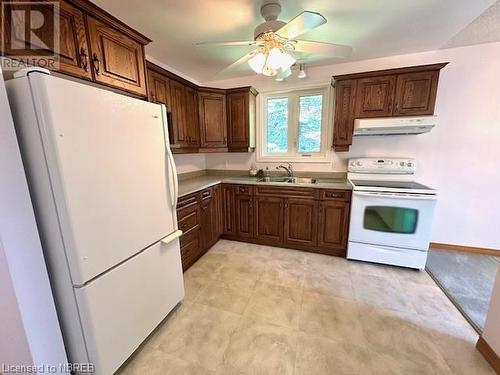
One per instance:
(104,188)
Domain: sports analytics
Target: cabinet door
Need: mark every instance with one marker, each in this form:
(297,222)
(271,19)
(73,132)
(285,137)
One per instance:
(73,52)
(300,222)
(228,212)
(333,225)
(269,219)
(416,93)
(208,223)
(159,88)
(375,96)
(212,114)
(217,191)
(192,118)
(117,60)
(238,120)
(244,216)
(345,94)
(178,101)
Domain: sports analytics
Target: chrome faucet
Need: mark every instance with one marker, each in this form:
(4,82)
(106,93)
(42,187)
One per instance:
(288,169)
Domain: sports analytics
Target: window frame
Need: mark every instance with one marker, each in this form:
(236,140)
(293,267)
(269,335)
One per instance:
(292,155)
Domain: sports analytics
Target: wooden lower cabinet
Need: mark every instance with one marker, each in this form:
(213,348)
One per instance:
(315,220)
(199,218)
(269,219)
(333,226)
(228,210)
(244,216)
(301,222)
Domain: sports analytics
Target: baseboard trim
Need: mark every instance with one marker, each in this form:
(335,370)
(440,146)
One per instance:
(464,249)
(487,352)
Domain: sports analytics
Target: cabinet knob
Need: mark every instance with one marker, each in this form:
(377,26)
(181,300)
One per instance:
(84,59)
(97,64)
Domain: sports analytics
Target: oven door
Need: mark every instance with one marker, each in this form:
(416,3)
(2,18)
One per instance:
(392,219)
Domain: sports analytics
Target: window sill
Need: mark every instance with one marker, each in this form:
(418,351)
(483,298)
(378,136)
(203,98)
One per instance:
(293,159)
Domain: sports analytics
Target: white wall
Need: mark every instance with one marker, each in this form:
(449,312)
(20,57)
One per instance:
(460,157)
(491,332)
(29,328)
(189,162)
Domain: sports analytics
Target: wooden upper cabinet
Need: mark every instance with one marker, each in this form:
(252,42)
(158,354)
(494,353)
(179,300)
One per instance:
(212,114)
(407,91)
(159,89)
(300,222)
(241,119)
(191,117)
(375,96)
(416,93)
(117,59)
(178,101)
(72,54)
(345,95)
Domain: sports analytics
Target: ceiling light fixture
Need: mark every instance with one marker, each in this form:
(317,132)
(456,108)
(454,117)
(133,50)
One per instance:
(302,73)
(272,57)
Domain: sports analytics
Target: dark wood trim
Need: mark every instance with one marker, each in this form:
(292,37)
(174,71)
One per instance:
(489,354)
(212,90)
(465,249)
(375,73)
(105,17)
(242,89)
(160,70)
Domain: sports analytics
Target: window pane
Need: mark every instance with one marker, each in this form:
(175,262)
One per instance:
(277,125)
(390,219)
(309,137)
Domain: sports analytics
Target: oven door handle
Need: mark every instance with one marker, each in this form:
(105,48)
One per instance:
(423,197)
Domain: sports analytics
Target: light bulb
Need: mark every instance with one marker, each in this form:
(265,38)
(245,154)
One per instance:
(275,58)
(257,62)
(286,61)
(267,71)
(302,74)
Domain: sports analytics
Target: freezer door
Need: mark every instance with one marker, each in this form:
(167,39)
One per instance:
(108,167)
(122,307)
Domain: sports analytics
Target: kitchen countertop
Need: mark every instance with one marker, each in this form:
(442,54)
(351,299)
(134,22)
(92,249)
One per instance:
(194,184)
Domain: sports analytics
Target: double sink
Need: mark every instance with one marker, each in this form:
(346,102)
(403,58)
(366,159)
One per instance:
(289,180)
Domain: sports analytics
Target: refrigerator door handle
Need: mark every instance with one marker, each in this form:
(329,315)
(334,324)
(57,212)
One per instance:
(173,182)
(172,236)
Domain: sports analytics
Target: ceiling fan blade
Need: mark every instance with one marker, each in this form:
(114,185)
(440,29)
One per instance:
(237,63)
(231,43)
(334,50)
(301,24)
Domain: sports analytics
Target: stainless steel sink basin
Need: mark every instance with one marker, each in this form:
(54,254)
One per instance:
(273,179)
(290,180)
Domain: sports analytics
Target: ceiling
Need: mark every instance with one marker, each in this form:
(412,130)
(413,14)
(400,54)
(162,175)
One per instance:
(372,28)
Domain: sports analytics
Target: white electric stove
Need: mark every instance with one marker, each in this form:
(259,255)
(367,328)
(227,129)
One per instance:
(391,214)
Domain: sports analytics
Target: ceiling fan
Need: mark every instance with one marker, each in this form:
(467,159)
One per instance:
(276,42)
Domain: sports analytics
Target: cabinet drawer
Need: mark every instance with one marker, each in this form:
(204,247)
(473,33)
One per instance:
(243,189)
(335,195)
(207,193)
(190,249)
(188,218)
(294,192)
(187,200)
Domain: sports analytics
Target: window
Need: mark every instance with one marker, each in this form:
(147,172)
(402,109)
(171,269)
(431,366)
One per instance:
(294,126)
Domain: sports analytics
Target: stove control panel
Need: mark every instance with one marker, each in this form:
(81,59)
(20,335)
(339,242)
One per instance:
(382,165)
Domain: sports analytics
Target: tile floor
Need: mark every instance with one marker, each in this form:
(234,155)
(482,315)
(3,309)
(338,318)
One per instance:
(253,309)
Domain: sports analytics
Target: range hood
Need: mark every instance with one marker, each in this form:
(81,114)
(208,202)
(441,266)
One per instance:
(394,125)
